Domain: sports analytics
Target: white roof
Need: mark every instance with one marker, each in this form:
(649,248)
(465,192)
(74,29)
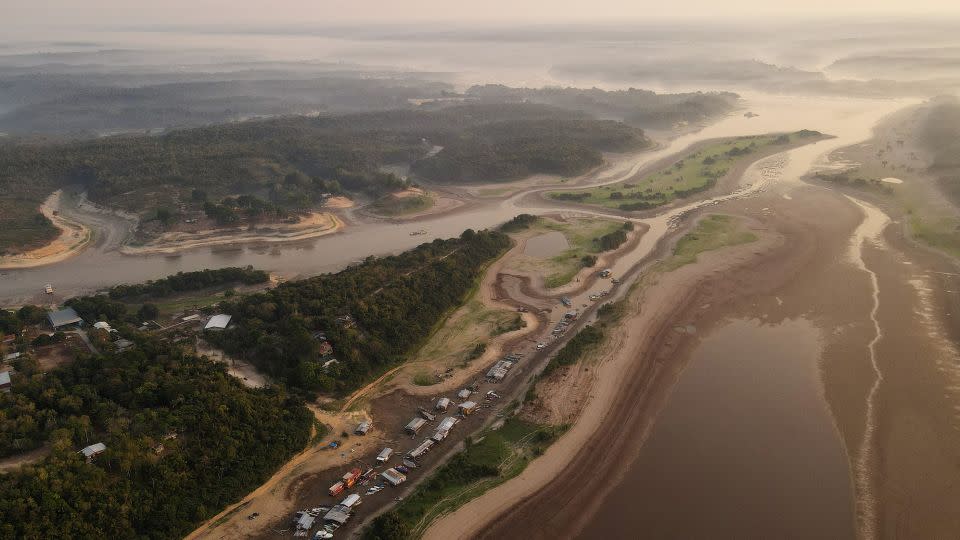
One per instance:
(93,449)
(468,405)
(385,454)
(11,356)
(416,423)
(4,377)
(101,325)
(350,500)
(218,321)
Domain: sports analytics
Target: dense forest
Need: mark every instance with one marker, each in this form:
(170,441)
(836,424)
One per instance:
(374,314)
(513,149)
(190,281)
(295,163)
(634,106)
(183,438)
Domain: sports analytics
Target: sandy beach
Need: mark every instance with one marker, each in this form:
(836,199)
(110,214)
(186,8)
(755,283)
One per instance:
(74,236)
(314,225)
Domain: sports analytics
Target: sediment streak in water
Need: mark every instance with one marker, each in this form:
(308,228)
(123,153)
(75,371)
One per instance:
(869,230)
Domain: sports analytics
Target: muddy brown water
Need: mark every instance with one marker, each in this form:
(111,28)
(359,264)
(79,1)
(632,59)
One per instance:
(546,245)
(745,448)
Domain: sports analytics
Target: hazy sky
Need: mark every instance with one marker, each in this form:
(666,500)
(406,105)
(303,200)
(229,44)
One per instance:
(18,13)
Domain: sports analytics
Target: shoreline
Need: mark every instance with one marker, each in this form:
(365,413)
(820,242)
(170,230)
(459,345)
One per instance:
(643,358)
(74,237)
(177,242)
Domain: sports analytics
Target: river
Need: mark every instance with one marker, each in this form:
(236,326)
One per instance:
(763,460)
(102,265)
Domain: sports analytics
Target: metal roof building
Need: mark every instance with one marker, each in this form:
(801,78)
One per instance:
(414,426)
(218,322)
(419,451)
(93,450)
(394,476)
(338,514)
(384,455)
(5,383)
(64,317)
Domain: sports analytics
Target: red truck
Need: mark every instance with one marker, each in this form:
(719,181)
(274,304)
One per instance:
(351,477)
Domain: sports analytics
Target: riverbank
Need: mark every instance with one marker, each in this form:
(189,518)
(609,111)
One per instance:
(314,225)
(643,360)
(74,237)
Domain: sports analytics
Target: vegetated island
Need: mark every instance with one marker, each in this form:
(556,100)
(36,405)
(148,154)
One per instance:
(696,172)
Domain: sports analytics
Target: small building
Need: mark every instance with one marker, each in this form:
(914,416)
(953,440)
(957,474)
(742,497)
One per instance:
(339,514)
(330,363)
(443,404)
(464,394)
(426,415)
(11,357)
(414,426)
(444,428)
(468,408)
(218,322)
(499,370)
(63,318)
(305,523)
(6,385)
(362,428)
(102,325)
(394,477)
(384,455)
(350,500)
(93,451)
(421,450)
(336,489)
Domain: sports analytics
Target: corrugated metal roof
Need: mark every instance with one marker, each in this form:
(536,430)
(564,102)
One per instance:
(63,317)
(338,514)
(4,378)
(218,322)
(93,449)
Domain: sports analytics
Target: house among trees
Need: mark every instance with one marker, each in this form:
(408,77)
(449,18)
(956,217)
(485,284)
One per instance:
(5,384)
(93,451)
(63,318)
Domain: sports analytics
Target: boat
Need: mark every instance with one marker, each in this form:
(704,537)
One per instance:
(49,288)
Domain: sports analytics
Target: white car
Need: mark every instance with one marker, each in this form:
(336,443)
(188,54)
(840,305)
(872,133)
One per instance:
(322,535)
(541,345)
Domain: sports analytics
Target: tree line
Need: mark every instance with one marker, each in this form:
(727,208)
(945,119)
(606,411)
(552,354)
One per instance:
(374,314)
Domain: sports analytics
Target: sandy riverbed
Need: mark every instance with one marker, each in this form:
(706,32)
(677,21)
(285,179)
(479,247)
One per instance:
(74,236)
(314,225)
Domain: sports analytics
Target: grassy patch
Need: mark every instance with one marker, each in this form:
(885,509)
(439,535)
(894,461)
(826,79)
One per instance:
(391,205)
(695,172)
(941,234)
(495,457)
(713,232)
(583,237)
(423,378)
